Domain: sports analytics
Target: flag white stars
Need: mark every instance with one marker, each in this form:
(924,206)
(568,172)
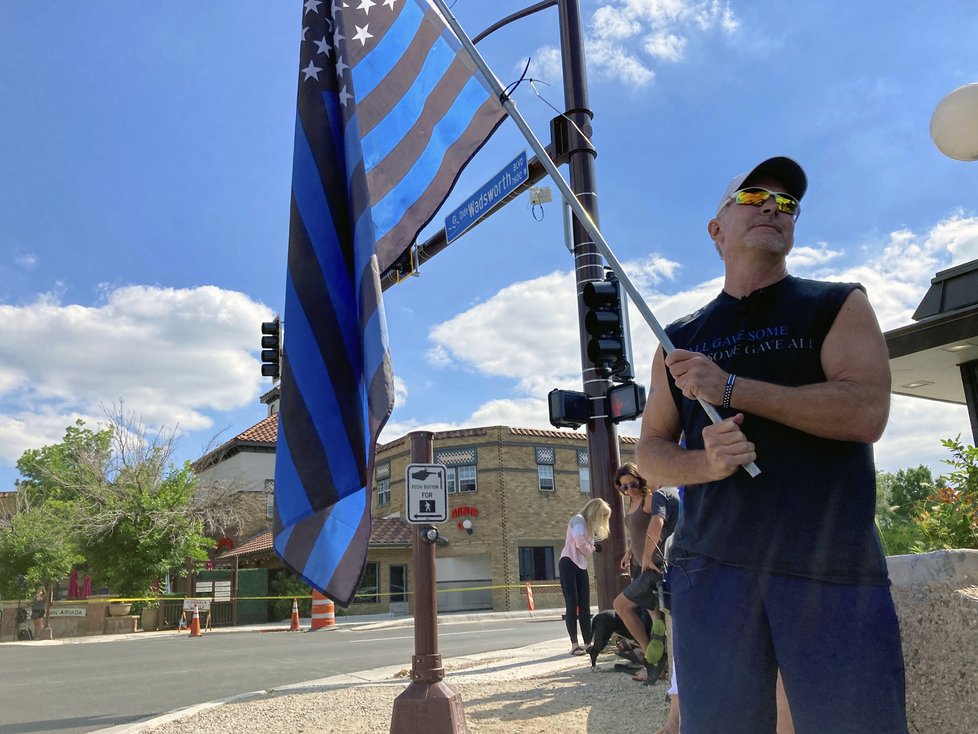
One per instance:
(362,35)
(365,6)
(323,46)
(312,72)
(390,4)
(345,96)
(312,6)
(341,66)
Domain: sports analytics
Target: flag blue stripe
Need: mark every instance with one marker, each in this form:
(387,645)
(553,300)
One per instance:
(388,211)
(293,504)
(388,52)
(385,136)
(310,200)
(338,531)
(313,383)
(334,113)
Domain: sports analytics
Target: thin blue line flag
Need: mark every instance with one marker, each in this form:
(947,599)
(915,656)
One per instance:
(389,112)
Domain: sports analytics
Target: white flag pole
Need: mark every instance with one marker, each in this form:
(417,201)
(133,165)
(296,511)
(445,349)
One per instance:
(572,201)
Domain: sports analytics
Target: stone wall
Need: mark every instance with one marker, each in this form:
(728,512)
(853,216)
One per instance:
(936,596)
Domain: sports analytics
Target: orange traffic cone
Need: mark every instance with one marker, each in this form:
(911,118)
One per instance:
(295,616)
(195,623)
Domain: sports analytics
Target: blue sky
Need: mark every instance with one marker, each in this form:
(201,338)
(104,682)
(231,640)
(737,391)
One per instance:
(145,159)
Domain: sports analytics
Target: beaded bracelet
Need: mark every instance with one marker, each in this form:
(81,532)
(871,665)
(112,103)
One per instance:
(728,390)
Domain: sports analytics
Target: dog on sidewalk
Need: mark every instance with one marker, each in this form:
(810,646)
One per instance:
(604,625)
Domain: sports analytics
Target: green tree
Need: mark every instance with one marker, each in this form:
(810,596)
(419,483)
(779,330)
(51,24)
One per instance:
(899,533)
(132,515)
(949,518)
(37,546)
(65,471)
(908,488)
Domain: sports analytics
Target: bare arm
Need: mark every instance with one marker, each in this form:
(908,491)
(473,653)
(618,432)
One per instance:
(652,536)
(851,405)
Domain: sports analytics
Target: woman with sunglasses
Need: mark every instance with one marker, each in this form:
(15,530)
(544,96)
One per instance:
(583,529)
(649,520)
(632,485)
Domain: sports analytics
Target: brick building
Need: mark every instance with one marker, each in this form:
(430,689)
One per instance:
(511,493)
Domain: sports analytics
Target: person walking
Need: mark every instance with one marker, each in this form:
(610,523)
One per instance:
(583,529)
(38,611)
(784,569)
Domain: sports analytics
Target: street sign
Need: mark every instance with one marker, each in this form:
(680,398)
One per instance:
(427,493)
(488,197)
(203,605)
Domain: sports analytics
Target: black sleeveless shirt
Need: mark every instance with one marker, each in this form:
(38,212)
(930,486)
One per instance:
(811,511)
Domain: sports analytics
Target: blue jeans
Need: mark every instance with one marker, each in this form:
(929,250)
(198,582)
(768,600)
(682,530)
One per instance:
(837,646)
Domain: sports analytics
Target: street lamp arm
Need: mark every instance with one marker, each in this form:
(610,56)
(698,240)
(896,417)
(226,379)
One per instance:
(515,16)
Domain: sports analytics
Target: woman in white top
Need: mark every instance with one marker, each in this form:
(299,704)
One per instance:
(589,525)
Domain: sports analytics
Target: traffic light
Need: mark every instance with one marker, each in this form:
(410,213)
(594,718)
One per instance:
(626,402)
(271,348)
(606,322)
(568,409)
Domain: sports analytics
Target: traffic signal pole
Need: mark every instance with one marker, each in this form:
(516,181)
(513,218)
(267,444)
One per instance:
(602,435)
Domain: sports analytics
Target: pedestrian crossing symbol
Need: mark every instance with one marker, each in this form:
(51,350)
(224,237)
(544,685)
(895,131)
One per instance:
(427,493)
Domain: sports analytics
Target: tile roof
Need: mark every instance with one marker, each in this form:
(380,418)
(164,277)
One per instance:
(388,531)
(546,433)
(265,433)
(261,543)
(385,532)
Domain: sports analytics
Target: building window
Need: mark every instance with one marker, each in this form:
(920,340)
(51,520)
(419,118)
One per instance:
(585,474)
(369,587)
(466,479)
(536,563)
(383,492)
(269,499)
(545,475)
(382,475)
(546,457)
(460,464)
(460,479)
(398,583)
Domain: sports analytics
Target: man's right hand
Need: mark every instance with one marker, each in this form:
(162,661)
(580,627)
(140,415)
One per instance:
(726,447)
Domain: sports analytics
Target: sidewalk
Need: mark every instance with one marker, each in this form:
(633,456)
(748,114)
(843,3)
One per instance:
(527,690)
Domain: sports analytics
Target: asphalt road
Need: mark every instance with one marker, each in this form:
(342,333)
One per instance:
(75,688)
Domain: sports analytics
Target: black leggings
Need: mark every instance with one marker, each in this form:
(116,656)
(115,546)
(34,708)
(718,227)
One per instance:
(577,599)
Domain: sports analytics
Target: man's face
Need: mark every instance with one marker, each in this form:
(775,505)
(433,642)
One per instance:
(739,228)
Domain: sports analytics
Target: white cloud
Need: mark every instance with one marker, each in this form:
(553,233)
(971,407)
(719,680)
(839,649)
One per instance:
(608,23)
(805,259)
(913,435)
(613,60)
(482,338)
(400,391)
(25,260)
(620,32)
(665,46)
(172,355)
(544,65)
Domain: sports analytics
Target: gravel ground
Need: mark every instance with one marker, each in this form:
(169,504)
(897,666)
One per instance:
(570,701)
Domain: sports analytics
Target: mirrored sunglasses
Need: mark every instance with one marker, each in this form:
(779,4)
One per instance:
(756,196)
(623,488)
